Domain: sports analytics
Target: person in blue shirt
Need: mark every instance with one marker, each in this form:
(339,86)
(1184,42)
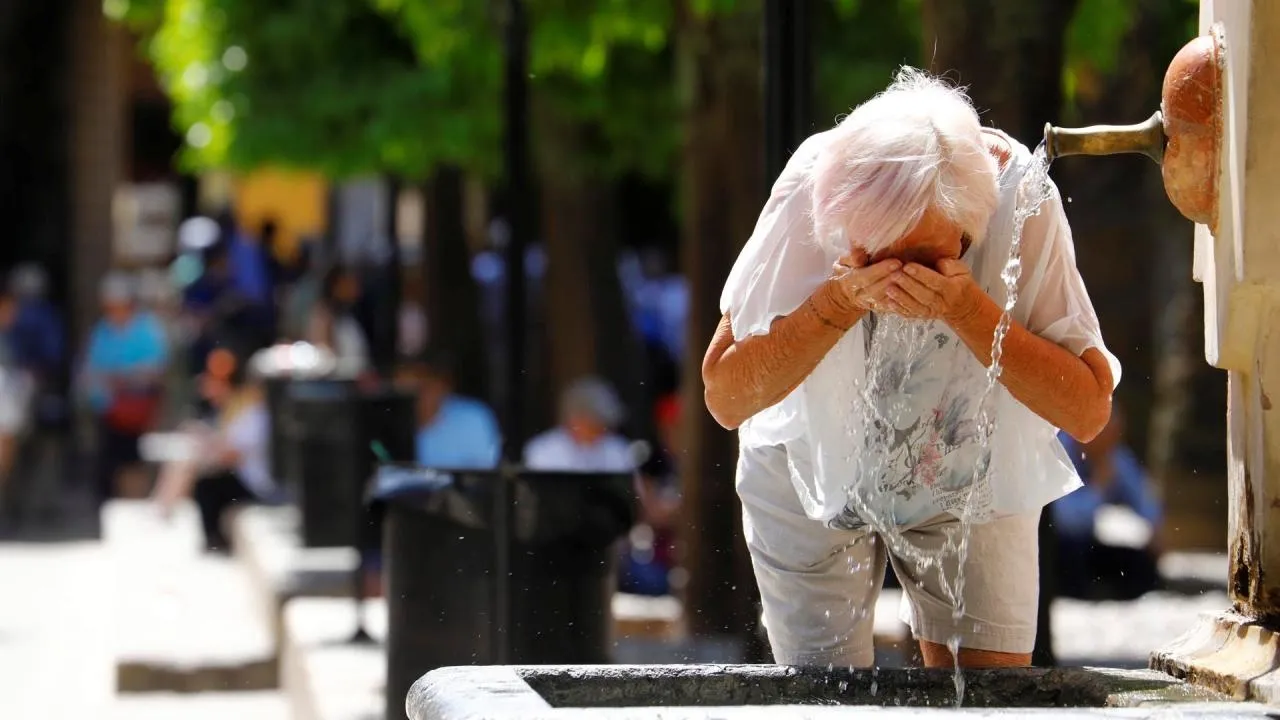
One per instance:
(455,432)
(38,338)
(1112,475)
(250,264)
(122,378)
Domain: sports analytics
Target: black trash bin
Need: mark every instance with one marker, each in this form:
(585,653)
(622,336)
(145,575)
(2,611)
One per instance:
(336,431)
(279,366)
(448,537)
(277,392)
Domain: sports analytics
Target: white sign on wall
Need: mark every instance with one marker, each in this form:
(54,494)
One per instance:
(146,222)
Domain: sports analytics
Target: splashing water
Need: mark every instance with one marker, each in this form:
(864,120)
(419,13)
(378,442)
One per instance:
(1033,190)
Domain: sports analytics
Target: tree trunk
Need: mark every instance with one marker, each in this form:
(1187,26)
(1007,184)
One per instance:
(588,326)
(720,66)
(1010,54)
(452,298)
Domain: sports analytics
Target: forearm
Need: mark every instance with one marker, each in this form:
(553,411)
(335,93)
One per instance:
(743,377)
(1068,391)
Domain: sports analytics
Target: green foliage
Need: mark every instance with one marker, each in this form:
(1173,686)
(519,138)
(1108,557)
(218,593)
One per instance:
(327,85)
(601,63)
(859,45)
(1097,32)
(1095,42)
(351,86)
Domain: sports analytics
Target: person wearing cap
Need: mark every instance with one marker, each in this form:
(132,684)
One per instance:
(585,440)
(122,378)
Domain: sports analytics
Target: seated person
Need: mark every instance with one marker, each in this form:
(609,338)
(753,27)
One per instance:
(230,464)
(585,440)
(1112,475)
(649,555)
(455,432)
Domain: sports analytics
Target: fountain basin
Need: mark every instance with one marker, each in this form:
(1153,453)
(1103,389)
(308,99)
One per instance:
(729,692)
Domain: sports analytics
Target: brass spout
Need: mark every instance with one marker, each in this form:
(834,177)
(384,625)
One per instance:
(1146,138)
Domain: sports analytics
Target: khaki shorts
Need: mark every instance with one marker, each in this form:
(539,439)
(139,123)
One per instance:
(819,586)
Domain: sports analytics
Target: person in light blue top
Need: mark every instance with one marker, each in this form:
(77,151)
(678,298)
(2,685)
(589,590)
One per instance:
(122,377)
(1112,475)
(455,432)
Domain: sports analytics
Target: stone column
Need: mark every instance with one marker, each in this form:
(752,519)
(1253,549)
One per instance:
(1239,265)
(98,90)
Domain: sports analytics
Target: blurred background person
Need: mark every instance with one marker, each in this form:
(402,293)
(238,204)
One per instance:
(585,440)
(332,323)
(649,555)
(454,431)
(411,336)
(16,390)
(36,417)
(1094,567)
(230,459)
(122,379)
(38,335)
(303,293)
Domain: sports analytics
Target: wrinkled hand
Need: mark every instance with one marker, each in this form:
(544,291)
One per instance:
(948,293)
(863,286)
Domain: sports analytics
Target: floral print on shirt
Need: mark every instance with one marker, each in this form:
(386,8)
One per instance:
(922,448)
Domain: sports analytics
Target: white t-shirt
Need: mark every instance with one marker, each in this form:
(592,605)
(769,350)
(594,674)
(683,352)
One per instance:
(249,434)
(554,450)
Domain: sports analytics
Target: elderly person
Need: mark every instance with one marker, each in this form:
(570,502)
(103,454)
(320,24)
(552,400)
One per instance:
(585,440)
(852,357)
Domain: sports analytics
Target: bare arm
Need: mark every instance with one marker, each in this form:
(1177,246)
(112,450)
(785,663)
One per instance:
(743,377)
(1073,393)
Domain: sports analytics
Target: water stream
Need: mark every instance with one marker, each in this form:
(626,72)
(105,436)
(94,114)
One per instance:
(879,421)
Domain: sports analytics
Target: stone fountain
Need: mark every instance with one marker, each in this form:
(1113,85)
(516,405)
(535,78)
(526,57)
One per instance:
(1217,139)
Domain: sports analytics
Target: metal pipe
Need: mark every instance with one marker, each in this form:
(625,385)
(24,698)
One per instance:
(518,219)
(519,227)
(1145,138)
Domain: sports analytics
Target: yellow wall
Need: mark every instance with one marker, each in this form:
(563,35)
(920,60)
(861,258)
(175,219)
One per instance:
(297,202)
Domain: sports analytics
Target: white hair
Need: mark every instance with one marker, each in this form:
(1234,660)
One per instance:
(117,287)
(594,397)
(914,146)
(29,280)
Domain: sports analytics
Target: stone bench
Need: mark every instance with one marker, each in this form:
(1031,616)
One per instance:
(184,621)
(267,544)
(257,705)
(654,618)
(323,674)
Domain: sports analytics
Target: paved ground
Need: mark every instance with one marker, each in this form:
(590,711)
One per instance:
(55,656)
(56,645)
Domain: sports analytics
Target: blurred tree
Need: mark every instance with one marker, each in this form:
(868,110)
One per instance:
(602,106)
(722,175)
(858,45)
(327,85)
(334,86)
